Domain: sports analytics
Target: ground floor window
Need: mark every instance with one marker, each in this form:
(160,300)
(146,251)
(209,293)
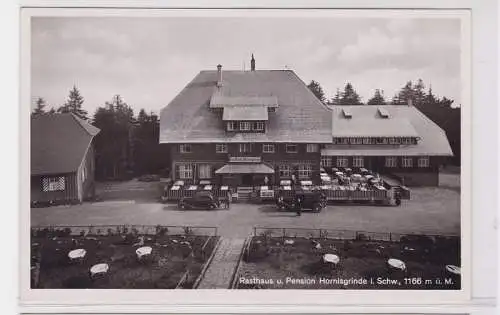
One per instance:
(305,171)
(268,148)
(204,171)
(284,170)
(342,162)
(221,148)
(245,147)
(326,161)
(358,161)
(391,161)
(57,183)
(185,171)
(423,161)
(407,162)
(312,147)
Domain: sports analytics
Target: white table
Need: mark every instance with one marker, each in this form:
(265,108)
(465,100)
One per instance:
(396,264)
(77,254)
(99,269)
(453,269)
(331,259)
(143,251)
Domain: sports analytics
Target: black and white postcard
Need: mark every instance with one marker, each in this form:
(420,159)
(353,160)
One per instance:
(326,151)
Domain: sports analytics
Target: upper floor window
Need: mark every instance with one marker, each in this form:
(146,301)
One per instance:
(381,140)
(423,161)
(312,147)
(342,161)
(391,161)
(185,148)
(367,140)
(245,147)
(358,161)
(291,148)
(356,140)
(245,126)
(259,125)
(231,126)
(221,148)
(407,161)
(53,183)
(407,140)
(268,148)
(326,161)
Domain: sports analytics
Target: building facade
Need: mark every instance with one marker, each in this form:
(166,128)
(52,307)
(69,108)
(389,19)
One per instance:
(258,127)
(62,159)
(395,140)
(245,128)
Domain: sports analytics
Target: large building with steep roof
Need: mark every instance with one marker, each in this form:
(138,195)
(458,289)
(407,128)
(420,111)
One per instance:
(241,127)
(62,159)
(248,128)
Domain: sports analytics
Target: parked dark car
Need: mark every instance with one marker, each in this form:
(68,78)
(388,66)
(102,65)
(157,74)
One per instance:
(314,200)
(200,200)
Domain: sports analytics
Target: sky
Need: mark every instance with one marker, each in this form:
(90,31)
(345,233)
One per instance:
(148,60)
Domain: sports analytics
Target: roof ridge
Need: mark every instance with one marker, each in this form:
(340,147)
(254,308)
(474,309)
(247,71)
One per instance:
(81,123)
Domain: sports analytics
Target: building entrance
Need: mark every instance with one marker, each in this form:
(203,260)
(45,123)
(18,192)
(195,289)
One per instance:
(247,180)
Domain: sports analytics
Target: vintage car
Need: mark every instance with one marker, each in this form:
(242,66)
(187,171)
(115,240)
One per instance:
(200,200)
(313,199)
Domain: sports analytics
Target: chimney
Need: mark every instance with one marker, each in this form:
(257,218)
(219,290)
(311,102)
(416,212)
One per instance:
(219,75)
(252,64)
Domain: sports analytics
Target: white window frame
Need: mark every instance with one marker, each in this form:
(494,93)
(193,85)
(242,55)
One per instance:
(367,140)
(342,161)
(204,171)
(243,147)
(245,126)
(358,161)
(391,161)
(57,183)
(287,146)
(305,171)
(285,171)
(406,140)
(268,148)
(407,162)
(185,171)
(221,148)
(183,147)
(326,161)
(232,126)
(423,161)
(312,147)
(259,126)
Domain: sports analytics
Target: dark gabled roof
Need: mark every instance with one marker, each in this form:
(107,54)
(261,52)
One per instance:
(403,121)
(59,143)
(300,116)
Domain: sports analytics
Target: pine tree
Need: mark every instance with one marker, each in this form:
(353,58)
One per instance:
(74,104)
(377,99)
(336,99)
(350,96)
(407,93)
(40,107)
(317,90)
(418,92)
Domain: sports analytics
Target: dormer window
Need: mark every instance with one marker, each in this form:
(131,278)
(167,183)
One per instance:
(185,148)
(259,125)
(232,126)
(245,126)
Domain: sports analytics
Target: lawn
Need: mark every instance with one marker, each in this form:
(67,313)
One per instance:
(363,263)
(176,260)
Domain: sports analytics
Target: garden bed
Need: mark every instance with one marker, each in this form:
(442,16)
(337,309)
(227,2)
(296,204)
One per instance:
(297,263)
(176,260)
